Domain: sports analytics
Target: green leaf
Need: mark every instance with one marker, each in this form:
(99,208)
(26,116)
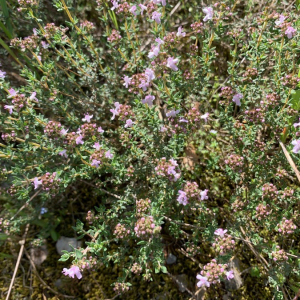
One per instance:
(54,234)
(65,257)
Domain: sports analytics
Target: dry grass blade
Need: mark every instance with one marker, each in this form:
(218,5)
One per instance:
(22,243)
(291,162)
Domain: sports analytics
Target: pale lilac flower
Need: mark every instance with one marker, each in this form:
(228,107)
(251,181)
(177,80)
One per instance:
(115,110)
(79,140)
(73,271)
(115,5)
(144,85)
(95,163)
(154,52)
(163,2)
(100,130)
(173,162)
(45,45)
(203,195)
(182,120)
(97,146)
(126,81)
(35,31)
(290,32)
(39,58)
(12,93)
(176,176)
(182,198)
(148,100)
(143,7)
(297,124)
(63,153)
(209,13)
(156,16)
(220,232)
(280,20)
(171,63)
(213,132)
(129,123)
(229,275)
(87,118)
(33,97)
(172,113)
(296,145)
(205,117)
(9,108)
(78,131)
(202,281)
(109,155)
(159,41)
(163,129)
(2,74)
(237,99)
(64,132)
(150,74)
(37,183)
(180,32)
(133,10)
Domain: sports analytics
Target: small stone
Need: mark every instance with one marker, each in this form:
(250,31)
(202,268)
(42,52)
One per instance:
(39,254)
(182,282)
(171,259)
(64,243)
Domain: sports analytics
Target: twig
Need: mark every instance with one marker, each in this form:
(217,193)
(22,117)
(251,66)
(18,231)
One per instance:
(42,281)
(109,193)
(22,243)
(25,205)
(178,282)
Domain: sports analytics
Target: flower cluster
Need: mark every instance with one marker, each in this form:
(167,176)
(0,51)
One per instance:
(168,169)
(286,226)
(235,162)
(279,255)
(145,227)
(262,211)
(142,206)
(223,242)
(269,190)
(121,231)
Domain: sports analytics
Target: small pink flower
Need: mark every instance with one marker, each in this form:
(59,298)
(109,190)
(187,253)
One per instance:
(64,132)
(95,163)
(203,195)
(148,100)
(171,63)
(63,153)
(296,145)
(180,32)
(37,183)
(182,198)
(290,32)
(73,271)
(143,7)
(129,123)
(126,81)
(220,232)
(109,155)
(205,117)
(9,108)
(12,93)
(209,13)
(133,10)
(87,118)
(115,5)
(150,74)
(100,130)
(280,20)
(229,275)
(2,74)
(97,146)
(154,52)
(79,140)
(156,16)
(159,41)
(237,99)
(202,281)
(172,113)
(33,97)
